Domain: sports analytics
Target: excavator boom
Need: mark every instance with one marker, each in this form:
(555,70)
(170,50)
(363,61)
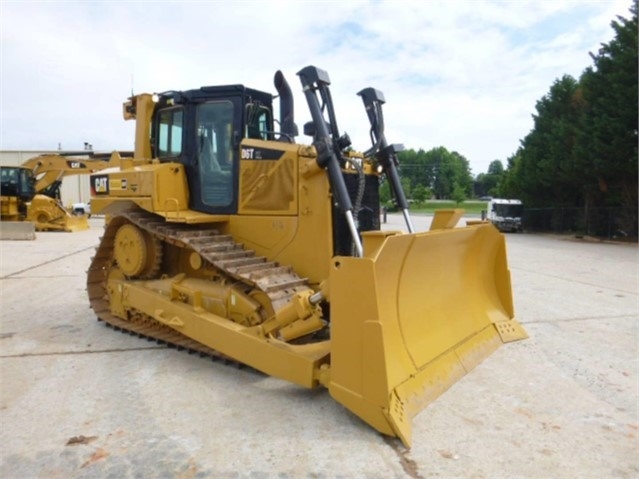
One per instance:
(40,202)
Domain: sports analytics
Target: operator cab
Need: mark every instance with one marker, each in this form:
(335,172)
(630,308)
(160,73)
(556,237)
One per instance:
(203,129)
(17,181)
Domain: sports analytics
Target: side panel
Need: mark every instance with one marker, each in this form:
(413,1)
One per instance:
(268,178)
(159,188)
(285,208)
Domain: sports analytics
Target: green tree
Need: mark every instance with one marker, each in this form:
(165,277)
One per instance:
(488,183)
(406,186)
(437,170)
(449,169)
(459,194)
(384,192)
(421,193)
(547,172)
(607,141)
(582,150)
(496,168)
(510,187)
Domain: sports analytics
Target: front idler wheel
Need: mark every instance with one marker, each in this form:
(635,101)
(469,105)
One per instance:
(137,253)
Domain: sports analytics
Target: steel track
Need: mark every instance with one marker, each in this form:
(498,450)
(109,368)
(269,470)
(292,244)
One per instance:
(229,258)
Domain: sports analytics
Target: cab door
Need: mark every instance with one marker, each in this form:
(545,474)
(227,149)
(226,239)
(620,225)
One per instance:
(204,135)
(216,139)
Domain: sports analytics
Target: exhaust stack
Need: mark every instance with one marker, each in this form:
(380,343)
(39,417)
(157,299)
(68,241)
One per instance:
(287,122)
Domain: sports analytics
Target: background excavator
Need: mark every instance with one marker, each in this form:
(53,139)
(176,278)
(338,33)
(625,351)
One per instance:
(31,192)
(226,237)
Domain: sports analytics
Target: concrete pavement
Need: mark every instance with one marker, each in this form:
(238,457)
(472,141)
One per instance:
(80,400)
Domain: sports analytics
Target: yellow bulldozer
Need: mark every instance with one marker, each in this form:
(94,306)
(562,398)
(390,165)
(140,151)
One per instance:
(226,237)
(31,192)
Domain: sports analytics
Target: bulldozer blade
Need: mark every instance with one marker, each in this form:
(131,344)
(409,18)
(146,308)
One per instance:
(413,316)
(74,223)
(47,214)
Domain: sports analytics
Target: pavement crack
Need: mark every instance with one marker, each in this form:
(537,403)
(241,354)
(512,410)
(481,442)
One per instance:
(86,351)
(409,466)
(48,262)
(585,318)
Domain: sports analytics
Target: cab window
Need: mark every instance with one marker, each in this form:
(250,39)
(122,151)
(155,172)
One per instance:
(170,132)
(258,122)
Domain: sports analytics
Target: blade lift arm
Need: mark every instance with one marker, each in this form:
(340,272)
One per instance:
(327,143)
(386,154)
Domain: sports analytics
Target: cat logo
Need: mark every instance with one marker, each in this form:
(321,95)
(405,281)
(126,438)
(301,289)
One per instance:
(74,165)
(100,184)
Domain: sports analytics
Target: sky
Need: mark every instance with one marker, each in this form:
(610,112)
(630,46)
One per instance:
(460,74)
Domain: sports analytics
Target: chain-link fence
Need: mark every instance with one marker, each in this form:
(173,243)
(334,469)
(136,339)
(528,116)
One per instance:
(618,223)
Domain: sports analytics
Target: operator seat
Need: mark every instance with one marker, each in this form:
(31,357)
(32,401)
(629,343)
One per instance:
(208,159)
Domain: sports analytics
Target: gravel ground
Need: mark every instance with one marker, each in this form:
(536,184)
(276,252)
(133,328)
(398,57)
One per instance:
(79,400)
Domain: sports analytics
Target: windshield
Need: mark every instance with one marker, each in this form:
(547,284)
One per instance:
(508,211)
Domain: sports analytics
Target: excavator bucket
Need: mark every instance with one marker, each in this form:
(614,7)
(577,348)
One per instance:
(413,316)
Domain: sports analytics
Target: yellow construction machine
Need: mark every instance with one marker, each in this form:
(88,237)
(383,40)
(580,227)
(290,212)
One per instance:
(226,237)
(17,189)
(31,192)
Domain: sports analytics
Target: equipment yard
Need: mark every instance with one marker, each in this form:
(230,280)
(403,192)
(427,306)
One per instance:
(80,400)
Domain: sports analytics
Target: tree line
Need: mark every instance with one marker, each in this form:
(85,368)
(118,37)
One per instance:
(581,151)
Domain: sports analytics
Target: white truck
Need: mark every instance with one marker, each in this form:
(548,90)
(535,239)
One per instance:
(505,214)
(81,209)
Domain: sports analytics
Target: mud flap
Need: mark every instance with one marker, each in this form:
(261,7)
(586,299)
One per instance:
(413,316)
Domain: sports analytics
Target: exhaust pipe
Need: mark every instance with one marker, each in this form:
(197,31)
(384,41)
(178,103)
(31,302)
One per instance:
(287,123)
